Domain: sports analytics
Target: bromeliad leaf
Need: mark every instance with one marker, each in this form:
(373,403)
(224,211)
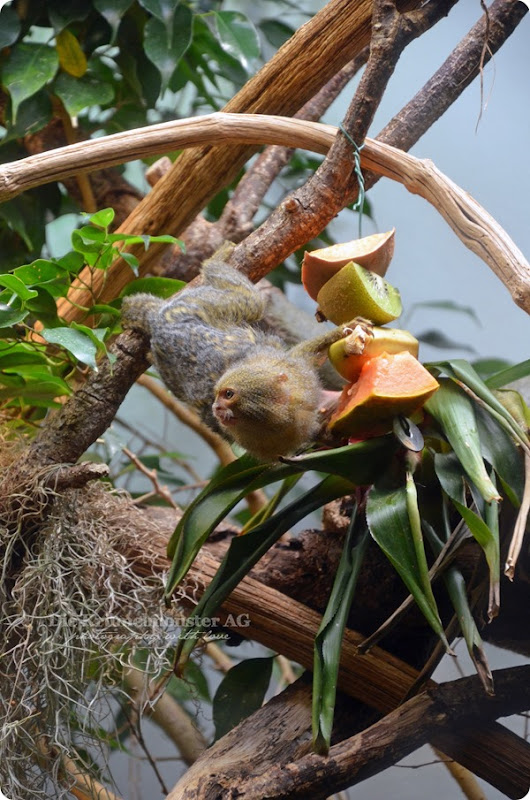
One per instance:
(245,551)
(456,588)
(328,641)
(387,514)
(454,412)
(223,492)
(361,463)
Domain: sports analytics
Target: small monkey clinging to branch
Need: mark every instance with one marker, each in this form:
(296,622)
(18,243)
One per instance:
(208,347)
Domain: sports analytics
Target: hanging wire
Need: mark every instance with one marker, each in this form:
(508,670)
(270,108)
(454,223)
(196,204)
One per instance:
(359,205)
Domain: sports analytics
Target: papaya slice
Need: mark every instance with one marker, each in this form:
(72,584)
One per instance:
(349,355)
(389,385)
(373,252)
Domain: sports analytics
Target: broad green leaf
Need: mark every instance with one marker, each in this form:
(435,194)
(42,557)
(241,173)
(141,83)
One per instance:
(15,216)
(456,589)
(161,287)
(102,218)
(79,93)
(89,240)
(27,69)
(71,56)
(10,316)
(276,31)
(240,693)
(388,520)
(328,641)
(163,10)
(38,272)
(454,412)
(77,343)
(33,114)
(361,463)
(487,367)
(9,26)
(62,14)
(245,551)
(509,374)
(17,286)
(165,51)
(238,36)
(38,384)
(112,11)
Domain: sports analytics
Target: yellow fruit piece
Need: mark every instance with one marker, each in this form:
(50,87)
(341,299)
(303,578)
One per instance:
(389,385)
(349,355)
(356,292)
(372,252)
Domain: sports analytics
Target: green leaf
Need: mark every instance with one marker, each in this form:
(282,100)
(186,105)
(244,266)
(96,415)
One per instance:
(508,375)
(500,450)
(161,287)
(163,10)
(9,26)
(62,14)
(102,218)
(77,343)
(19,288)
(328,641)
(454,412)
(463,372)
(165,46)
(360,463)
(387,514)
(456,589)
(11,316)
(113,11)
(245,551)
(238,36)
(225,490)
(27,69)
(276,32)
(240,693)
(39,272)
(79,93)
(33,114)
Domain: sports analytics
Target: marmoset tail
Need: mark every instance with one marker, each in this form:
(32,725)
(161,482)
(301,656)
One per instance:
(209,350)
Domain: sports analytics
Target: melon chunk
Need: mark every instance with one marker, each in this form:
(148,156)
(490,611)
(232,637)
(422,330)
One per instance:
(389,385)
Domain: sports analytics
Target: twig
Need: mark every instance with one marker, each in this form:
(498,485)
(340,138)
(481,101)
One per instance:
(161,491)
(221,661)
(168,714)
(464,778)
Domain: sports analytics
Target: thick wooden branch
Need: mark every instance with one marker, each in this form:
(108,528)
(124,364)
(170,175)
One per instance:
(453,705)
(377,679)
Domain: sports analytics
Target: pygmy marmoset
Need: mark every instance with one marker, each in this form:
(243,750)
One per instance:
(208,348)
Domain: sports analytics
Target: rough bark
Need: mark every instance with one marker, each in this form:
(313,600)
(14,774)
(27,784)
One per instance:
(453,705)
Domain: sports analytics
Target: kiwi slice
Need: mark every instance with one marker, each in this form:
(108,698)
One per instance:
(357,292)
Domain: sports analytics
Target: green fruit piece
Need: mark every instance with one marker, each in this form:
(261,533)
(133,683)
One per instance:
(372,252)
(356,292)
(349,355)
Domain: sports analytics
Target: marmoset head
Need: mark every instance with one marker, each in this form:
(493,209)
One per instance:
(268,404)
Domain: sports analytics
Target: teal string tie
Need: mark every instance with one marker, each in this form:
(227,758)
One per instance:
(359,205)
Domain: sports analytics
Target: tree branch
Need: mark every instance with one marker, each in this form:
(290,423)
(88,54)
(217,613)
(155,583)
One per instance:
(453,705)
